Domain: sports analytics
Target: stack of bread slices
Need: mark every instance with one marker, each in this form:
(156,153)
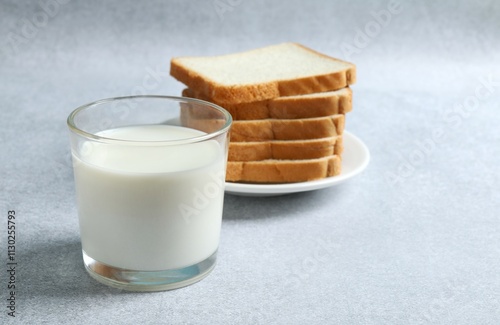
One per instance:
(288,104)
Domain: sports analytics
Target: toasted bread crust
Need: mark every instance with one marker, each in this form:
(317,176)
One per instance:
(289,107)
(286,129)
(285,149)
(283,171)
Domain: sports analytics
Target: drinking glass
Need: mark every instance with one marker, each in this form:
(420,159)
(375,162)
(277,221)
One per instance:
(149,176)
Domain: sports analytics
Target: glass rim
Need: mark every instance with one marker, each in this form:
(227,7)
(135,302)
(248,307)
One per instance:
(224,129)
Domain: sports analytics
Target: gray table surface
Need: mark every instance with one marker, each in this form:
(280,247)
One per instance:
(415,239)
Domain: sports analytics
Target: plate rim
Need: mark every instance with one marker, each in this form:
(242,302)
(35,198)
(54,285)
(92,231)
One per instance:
(263,189)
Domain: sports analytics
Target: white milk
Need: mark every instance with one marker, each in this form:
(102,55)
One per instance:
(150,207)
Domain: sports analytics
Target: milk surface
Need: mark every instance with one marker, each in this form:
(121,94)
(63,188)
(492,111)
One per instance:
(151,207)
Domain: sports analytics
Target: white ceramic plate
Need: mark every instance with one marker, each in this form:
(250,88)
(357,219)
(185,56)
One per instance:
(354,160)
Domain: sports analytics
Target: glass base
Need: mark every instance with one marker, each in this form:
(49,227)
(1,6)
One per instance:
(133,280)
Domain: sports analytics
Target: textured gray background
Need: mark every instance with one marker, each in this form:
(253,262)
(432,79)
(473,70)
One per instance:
(422,248)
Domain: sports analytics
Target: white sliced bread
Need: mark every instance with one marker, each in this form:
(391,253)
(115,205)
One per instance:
(285,129)
(285,149)
(283,171)
(289,107)
(286,69)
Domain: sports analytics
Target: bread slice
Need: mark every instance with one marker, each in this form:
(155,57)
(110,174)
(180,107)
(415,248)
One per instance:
(285,149)
(289,107)
(285,129)
(283,171)
(286,69)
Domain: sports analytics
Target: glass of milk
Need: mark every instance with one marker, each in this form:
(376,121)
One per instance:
(149,176)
